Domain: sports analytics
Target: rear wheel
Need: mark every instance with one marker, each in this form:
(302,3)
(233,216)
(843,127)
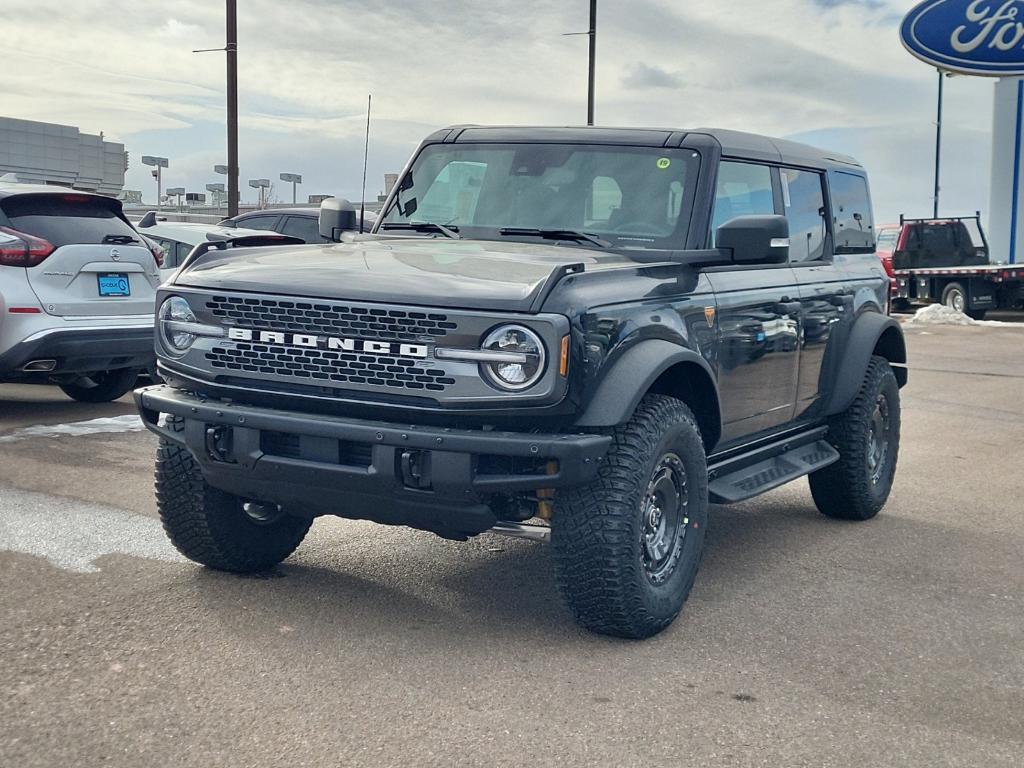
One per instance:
(628,545)
(215,528)
(955,297)
(867,436)
(102,387)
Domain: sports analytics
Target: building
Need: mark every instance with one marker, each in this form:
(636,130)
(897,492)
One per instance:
(46,153)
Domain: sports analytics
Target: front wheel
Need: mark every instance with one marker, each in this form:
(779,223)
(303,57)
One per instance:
(214,528)
(628,545)
(102,387)
(867,436)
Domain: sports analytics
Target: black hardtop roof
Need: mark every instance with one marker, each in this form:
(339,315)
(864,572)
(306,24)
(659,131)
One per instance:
(734,143)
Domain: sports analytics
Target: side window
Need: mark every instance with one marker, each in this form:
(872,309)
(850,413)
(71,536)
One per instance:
(605,199)
(166,248)
(804,199)
(259,222)
(743,189)
(181,250)
(851,209)
(302,227)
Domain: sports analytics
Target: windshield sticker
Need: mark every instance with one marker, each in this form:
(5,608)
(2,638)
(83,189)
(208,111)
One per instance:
(664,163)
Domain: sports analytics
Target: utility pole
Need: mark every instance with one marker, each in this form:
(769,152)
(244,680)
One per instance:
(593,62)
(591,69)
(232,55)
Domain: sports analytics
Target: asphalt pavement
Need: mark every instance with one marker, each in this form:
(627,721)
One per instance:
(806,641)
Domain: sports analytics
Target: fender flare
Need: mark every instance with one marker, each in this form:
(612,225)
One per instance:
(867,330)
(631,377)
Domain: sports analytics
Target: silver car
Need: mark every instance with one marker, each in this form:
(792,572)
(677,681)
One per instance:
(77,286)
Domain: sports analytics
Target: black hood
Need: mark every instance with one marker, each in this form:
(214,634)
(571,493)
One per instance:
(469,274)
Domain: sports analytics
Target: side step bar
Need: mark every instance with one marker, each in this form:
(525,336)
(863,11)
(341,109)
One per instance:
(751,474)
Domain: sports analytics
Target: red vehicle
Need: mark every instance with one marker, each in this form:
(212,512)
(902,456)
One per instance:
(947,260)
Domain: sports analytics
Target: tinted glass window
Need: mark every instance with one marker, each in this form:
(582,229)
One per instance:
(302,227)
(68,219)
(631,196)
(854,226)
(181,250)
(743,189)
(887,238)
(259,222)
(804,199)
(166,248)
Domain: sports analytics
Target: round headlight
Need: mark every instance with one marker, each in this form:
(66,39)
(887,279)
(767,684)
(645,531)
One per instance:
(175,315)
(523,353)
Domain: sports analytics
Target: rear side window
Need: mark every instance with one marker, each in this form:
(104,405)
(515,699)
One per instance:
(743,189)
(804,198)
(851,207)
(303,227)
(69,219)
(259,222)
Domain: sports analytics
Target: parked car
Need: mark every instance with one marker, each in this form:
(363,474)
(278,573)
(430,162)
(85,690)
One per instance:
(175,239)
(77,291)
(302,223)
(600,328)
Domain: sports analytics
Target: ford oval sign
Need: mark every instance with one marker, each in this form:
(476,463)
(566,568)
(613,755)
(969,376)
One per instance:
(973,37)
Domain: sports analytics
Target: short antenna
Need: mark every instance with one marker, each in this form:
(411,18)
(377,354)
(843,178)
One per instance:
(366,156)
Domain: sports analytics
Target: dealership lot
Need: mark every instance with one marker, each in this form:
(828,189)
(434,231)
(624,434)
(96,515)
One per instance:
(806,641)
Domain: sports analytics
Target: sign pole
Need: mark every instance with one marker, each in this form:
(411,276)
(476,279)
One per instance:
(938,147)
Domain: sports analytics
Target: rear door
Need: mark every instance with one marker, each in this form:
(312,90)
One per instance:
(100,267)
(826,295)
(758,316)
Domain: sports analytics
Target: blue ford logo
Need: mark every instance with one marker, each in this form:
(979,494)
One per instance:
(975,37)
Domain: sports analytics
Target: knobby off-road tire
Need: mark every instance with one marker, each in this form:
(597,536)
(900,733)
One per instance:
(210,526)
(867,436)
(603,534)
(110,385)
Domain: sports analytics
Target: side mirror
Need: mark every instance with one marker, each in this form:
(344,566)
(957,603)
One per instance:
(755,239)
(337,215)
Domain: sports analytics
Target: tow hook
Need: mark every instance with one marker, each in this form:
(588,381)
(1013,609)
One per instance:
(219,443)
(415,467)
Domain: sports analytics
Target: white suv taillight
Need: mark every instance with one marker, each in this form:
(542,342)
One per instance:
(18,249)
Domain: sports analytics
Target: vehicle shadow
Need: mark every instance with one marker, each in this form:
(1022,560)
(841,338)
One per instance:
(485,589)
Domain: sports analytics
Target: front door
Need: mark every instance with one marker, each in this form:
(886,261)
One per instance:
(758,317)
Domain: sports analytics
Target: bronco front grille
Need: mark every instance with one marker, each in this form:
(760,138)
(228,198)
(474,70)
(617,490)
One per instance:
(331,319)
(325,365)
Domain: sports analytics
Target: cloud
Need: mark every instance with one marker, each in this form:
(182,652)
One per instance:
(642,76)
(834,71)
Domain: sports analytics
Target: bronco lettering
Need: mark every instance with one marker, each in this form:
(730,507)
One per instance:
(334,343)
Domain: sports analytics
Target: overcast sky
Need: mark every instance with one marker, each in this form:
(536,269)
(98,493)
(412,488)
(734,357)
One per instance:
(830,72)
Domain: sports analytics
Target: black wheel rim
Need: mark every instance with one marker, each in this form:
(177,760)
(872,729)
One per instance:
(664,518)
(879,438)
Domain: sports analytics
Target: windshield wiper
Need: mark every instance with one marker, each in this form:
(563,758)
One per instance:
(119,239)
(423,226)
(555,234)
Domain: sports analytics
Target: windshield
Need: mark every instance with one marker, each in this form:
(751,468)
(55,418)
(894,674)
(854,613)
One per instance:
(631,197)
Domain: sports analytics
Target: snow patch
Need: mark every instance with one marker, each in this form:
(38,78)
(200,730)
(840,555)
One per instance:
(940,314)
(72,535)
(128,423)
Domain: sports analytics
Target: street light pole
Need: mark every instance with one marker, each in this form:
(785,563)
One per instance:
(938,145)
(232,108)
(593,62)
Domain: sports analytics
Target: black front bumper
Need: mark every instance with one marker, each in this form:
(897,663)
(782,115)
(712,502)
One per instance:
(82,350)
(432,478)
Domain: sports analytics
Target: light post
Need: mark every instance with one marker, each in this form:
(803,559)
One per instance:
(159,163)
(231,48)
(216,192)
(176,192)
(938,141)
(295,179)
(591,70)
(261,185)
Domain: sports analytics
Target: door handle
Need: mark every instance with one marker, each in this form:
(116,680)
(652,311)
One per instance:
(844,299)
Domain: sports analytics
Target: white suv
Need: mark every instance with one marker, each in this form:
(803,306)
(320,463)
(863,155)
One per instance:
(77,287)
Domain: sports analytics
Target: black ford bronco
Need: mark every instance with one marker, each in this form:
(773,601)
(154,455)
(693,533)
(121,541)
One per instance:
(585,335)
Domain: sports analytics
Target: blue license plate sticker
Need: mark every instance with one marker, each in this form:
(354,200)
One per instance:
(114,285)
